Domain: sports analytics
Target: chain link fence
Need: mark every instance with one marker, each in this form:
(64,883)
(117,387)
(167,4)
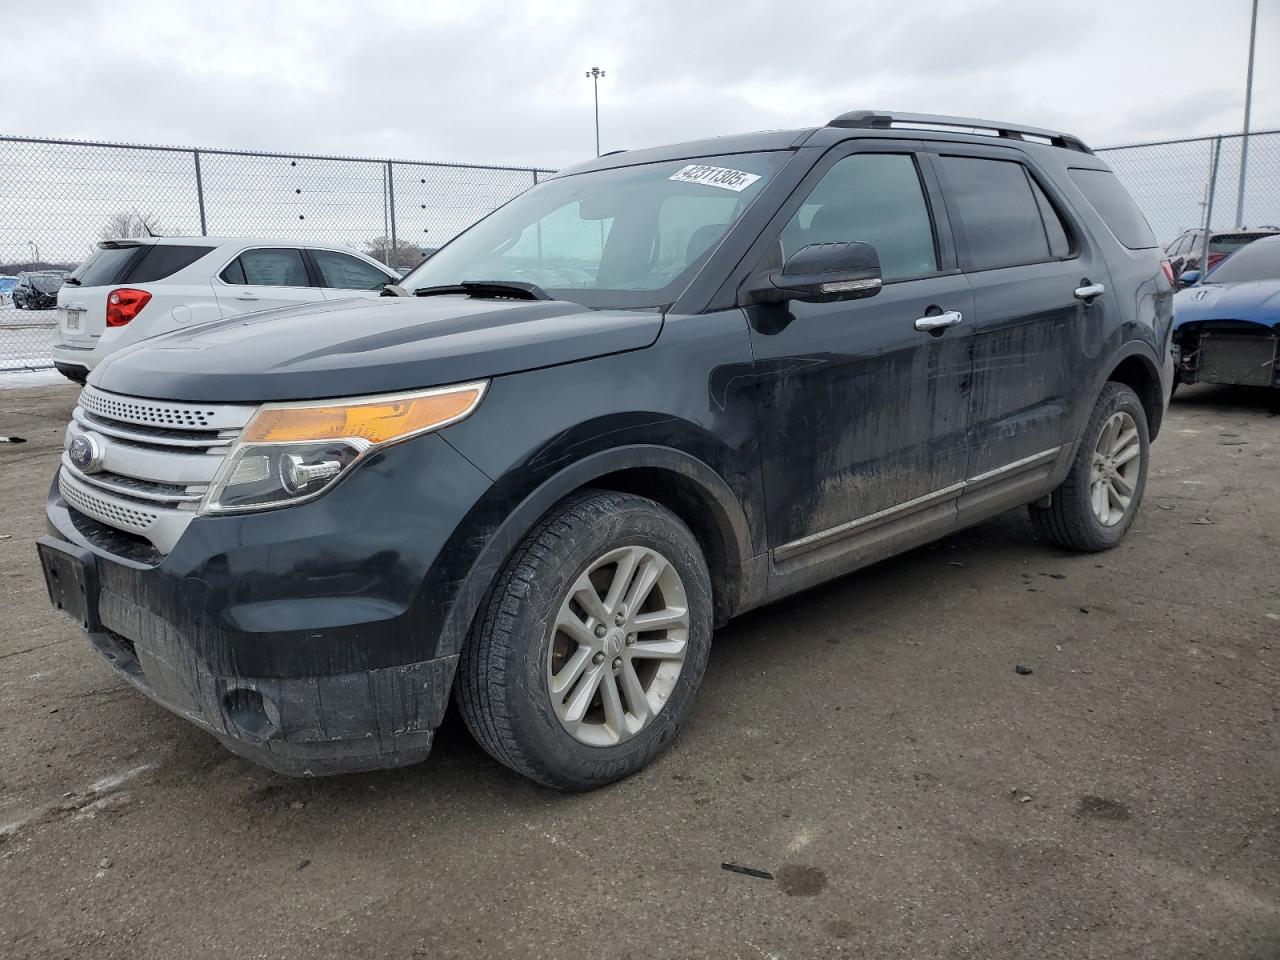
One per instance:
(1184,184)
(58,198)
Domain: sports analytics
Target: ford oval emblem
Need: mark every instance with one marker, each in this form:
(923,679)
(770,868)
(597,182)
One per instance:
(86,453)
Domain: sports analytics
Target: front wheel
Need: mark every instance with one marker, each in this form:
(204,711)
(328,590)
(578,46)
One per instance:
(1096,504)
(584,662)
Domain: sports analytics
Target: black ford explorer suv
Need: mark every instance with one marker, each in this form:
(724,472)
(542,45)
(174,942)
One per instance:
(653,392)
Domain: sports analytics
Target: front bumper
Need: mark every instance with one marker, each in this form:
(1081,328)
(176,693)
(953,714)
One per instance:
(307,639)
(300,726)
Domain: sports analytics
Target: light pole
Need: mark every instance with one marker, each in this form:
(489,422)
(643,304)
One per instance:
(35,251)
(1248,102)
(594,75)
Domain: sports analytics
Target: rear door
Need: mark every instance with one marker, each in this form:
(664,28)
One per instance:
(1035,332)
(261,278)
(342,276)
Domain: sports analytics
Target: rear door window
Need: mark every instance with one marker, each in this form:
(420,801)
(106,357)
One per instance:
(341,271)
(1002,221)
(1054,227)
(1108,196)
(268,267)
(162,261)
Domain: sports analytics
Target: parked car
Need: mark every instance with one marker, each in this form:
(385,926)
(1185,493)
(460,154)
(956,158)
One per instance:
(133,289)
(1227,329)
(655,391)
(1185,252)
(7,283)
(36,290)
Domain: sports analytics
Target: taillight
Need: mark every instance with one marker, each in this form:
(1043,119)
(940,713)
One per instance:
(1167,267)
(124,304)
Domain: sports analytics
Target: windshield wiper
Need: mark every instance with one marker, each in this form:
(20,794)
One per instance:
(73,281)
(488,290)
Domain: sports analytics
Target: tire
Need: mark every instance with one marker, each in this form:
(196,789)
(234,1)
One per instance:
(535,626)
(1072,519)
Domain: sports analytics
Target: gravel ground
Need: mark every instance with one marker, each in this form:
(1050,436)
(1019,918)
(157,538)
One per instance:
(868,744)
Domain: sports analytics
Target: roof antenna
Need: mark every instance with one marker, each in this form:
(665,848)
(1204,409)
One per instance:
(145,226)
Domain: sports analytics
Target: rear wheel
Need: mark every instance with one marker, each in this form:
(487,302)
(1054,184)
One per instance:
(1095,505)
(584,662)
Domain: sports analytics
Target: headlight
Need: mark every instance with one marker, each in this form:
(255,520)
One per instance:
(291,452)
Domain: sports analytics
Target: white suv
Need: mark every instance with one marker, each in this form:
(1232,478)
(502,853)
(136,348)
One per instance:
(133,289)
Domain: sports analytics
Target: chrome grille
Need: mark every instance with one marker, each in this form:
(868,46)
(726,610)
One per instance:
(157,459)
(155,413)
(115,512)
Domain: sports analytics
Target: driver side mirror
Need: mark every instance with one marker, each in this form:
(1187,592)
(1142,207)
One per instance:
(1188,278)
(821,273)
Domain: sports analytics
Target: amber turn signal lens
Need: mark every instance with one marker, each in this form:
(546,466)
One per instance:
(378,420)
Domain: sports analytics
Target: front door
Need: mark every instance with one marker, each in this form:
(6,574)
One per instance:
(863,414)
(262,278)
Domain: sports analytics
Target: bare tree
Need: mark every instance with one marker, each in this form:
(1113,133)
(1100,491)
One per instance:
(405,254)
(129,224)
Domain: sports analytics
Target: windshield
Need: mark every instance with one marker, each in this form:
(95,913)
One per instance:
(1230,242)
(46,283)
(1260,260)
(626,237)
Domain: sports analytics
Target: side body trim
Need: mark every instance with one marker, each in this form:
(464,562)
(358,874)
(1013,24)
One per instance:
(906,508)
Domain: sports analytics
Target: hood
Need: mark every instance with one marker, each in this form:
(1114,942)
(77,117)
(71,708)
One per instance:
(1257,301)
(353,347)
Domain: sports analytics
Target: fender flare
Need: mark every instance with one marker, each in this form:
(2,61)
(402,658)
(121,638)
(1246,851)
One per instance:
(727,512)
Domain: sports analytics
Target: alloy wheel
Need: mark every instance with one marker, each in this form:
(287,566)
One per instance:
(618,646)
(1117,462)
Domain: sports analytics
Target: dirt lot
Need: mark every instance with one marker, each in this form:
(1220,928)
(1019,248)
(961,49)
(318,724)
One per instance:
(869,744)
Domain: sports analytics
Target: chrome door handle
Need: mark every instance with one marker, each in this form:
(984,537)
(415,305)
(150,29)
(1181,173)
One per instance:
(247,296)
(938,321)
(1089,291)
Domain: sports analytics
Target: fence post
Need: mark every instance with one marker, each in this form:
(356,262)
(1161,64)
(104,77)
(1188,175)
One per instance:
(1208,206)
(391,216)
(204,230)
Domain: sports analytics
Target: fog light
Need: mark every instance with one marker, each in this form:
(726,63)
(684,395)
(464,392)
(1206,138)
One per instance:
(252,714)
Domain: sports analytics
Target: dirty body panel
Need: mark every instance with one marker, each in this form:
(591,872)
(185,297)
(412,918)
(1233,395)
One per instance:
(796,439)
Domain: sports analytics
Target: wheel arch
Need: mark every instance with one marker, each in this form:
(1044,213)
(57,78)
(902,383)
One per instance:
(1136,368)
(682,483)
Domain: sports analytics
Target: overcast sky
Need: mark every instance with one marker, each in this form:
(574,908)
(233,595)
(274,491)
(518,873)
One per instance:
(503,82)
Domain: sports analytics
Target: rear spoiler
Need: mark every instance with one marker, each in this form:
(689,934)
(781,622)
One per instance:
(120,244)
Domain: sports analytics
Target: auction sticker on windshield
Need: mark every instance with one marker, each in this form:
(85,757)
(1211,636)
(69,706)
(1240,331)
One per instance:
(724,177)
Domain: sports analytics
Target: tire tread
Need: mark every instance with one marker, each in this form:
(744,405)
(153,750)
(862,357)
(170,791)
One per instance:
(1066,522)
(497,639)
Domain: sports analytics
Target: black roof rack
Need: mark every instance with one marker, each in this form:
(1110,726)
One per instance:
(883,120)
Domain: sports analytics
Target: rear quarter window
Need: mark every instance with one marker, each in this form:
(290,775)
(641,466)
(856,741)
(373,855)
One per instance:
(1111,200)
(162,261)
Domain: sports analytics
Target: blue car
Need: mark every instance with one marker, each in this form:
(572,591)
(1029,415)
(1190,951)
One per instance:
(1226,328)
